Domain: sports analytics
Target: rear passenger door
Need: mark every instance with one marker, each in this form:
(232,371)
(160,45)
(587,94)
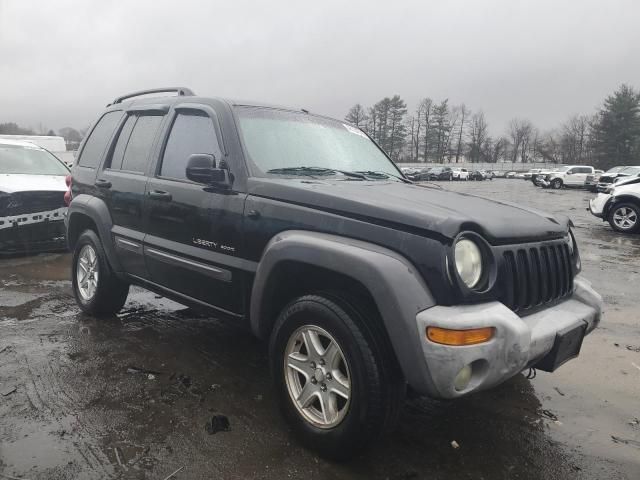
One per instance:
(122,183)
(191,227)
(578,176)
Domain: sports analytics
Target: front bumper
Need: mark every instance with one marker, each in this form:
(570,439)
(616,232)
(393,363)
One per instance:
(33,232)
(519,342)
(598,205)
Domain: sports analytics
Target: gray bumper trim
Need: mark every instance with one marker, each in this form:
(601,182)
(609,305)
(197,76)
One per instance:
(519,341)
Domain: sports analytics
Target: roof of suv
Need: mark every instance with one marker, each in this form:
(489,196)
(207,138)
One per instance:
(183,94)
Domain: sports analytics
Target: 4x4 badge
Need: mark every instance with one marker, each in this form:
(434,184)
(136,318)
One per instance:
(213,245)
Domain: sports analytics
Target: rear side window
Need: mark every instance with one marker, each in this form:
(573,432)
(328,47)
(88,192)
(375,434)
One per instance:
(96,144)
(121,145)
(131,152)
(191,133)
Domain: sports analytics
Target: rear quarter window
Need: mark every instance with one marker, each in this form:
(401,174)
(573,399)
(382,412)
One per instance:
(96,143)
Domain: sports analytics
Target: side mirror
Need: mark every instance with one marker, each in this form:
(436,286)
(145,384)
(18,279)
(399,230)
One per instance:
(201,168)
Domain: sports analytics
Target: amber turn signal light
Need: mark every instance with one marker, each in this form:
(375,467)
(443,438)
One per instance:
(459,338)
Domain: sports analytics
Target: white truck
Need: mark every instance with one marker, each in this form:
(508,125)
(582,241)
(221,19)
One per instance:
(570,176)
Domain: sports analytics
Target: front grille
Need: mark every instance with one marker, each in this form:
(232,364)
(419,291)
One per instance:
(536,275)
(605,179)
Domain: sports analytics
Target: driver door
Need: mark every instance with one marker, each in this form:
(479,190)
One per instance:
(190,227)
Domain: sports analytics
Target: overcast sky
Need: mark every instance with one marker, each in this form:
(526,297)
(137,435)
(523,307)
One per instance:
(62,61)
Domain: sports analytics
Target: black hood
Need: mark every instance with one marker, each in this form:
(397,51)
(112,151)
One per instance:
(415,207)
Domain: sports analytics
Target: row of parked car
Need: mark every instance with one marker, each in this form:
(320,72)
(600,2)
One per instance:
(618,199)
(580,176)
(446,173)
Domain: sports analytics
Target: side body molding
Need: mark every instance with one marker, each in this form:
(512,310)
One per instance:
(394,283)
(96,210)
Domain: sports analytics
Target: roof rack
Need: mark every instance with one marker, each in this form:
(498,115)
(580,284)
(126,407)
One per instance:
(181,91)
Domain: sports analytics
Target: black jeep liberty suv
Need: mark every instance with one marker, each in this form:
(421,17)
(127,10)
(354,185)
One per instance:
(362,282)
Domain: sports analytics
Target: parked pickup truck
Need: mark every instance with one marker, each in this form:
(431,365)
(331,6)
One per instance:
(570,176)
(300,226)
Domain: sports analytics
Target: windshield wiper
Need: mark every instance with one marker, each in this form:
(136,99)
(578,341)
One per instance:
(310,171)
(381,174)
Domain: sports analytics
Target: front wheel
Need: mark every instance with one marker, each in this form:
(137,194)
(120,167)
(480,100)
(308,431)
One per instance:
(624,218)
(335,382)
(556,184)
(96,288)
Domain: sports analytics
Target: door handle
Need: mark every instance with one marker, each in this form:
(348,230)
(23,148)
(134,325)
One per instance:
(160,195)
(100,183)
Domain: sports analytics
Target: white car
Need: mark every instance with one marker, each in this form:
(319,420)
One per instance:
(570,176)
(619,205)
(33,184)
(460,174)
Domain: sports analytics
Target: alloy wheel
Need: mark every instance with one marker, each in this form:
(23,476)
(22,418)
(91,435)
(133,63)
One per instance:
(317,376)
(625,218)
(87,271)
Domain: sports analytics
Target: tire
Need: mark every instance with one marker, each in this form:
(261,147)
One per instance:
(106,294)
(625,218)
(370,403)
(556,184)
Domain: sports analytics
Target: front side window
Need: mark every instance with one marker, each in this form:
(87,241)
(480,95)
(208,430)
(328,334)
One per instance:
(275,140)
(191,133)
(16,159)
(97,142)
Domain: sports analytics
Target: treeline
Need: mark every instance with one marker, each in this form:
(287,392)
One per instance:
(71,136)
(438,132)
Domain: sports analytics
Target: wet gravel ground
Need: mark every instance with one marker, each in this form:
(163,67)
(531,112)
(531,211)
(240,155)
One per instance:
(129,397)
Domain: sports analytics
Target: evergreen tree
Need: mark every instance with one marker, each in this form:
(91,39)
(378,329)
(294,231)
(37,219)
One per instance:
(617,129)
(442,126)
(397,130)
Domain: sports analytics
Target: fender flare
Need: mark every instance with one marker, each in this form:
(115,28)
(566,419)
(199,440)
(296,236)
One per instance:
(98,212)
(393,282)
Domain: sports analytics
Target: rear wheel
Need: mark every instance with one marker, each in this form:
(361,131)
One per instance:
(625,218)
(96,288)
(335,381)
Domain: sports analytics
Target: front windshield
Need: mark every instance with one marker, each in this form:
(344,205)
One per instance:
(278,140)
(17,159)
(630,170)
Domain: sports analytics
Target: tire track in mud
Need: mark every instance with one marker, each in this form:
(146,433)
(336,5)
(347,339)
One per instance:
(52,402)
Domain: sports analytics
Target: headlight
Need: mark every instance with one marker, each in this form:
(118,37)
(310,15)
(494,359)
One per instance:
(468,262)
(571,242)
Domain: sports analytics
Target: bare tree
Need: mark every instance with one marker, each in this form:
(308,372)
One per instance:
(464,113)
(426,109)
(520,135)
(478,135)
(357,116)
(575,139)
